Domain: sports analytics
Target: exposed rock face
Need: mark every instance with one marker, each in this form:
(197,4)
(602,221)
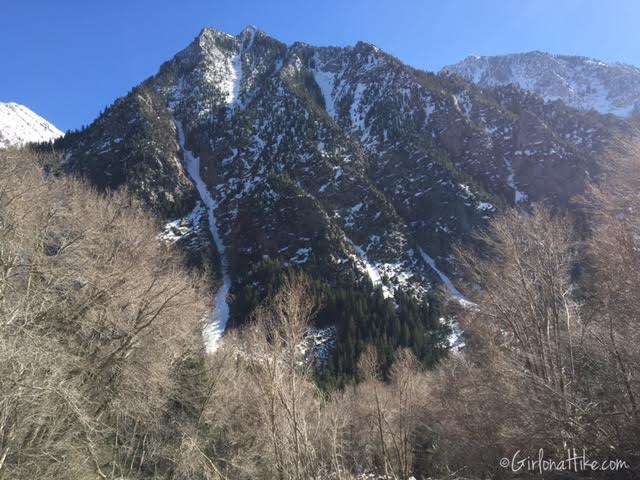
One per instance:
(343,160)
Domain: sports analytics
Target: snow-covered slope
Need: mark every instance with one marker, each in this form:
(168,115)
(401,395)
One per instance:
(19,125)
(581,82)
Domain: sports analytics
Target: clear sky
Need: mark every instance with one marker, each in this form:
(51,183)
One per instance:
(68,59)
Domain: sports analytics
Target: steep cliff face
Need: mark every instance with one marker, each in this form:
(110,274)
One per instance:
(342,160)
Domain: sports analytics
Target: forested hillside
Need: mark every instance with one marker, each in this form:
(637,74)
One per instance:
(344,162)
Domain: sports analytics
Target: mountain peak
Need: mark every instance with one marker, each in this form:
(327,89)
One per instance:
(208,33)
(249,30)
(19,125)
(341,160)
(581,82)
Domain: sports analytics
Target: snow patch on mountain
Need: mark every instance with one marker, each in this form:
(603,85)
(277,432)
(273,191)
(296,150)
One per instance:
(455,339)
(317,345)
(235,79)
(219,316)
(370,269)
(518,196)
(448,284)
(232,84)
(326,83)
(19,125)
(186,228)
(389,276)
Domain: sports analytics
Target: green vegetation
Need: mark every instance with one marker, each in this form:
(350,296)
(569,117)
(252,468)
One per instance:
(362,316)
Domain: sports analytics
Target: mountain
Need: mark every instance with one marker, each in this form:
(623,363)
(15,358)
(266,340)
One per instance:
(19,125)
(581,82)
(342,161)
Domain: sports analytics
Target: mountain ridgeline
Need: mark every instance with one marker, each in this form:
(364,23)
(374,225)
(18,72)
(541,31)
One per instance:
(19,125)
(584,83)
(344,162)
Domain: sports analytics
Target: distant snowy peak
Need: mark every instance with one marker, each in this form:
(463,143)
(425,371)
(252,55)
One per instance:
(581,82)
(19,125)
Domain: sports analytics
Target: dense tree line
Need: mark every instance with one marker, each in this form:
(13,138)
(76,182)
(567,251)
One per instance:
(362,317)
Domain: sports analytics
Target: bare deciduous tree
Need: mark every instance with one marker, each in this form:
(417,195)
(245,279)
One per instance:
(95,317)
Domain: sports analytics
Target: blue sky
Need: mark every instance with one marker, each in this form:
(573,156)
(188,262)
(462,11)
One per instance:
(68,59)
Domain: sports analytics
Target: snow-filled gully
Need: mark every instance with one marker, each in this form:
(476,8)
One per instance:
(219,315)
(456,338)
(448,284)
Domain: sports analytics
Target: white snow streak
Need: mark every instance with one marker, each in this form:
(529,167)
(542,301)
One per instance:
(372,271)
(235,64)
(374,274)
(219,315)
(235,79)
(326,82)
(453,291)
(518,195)
(456,337)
